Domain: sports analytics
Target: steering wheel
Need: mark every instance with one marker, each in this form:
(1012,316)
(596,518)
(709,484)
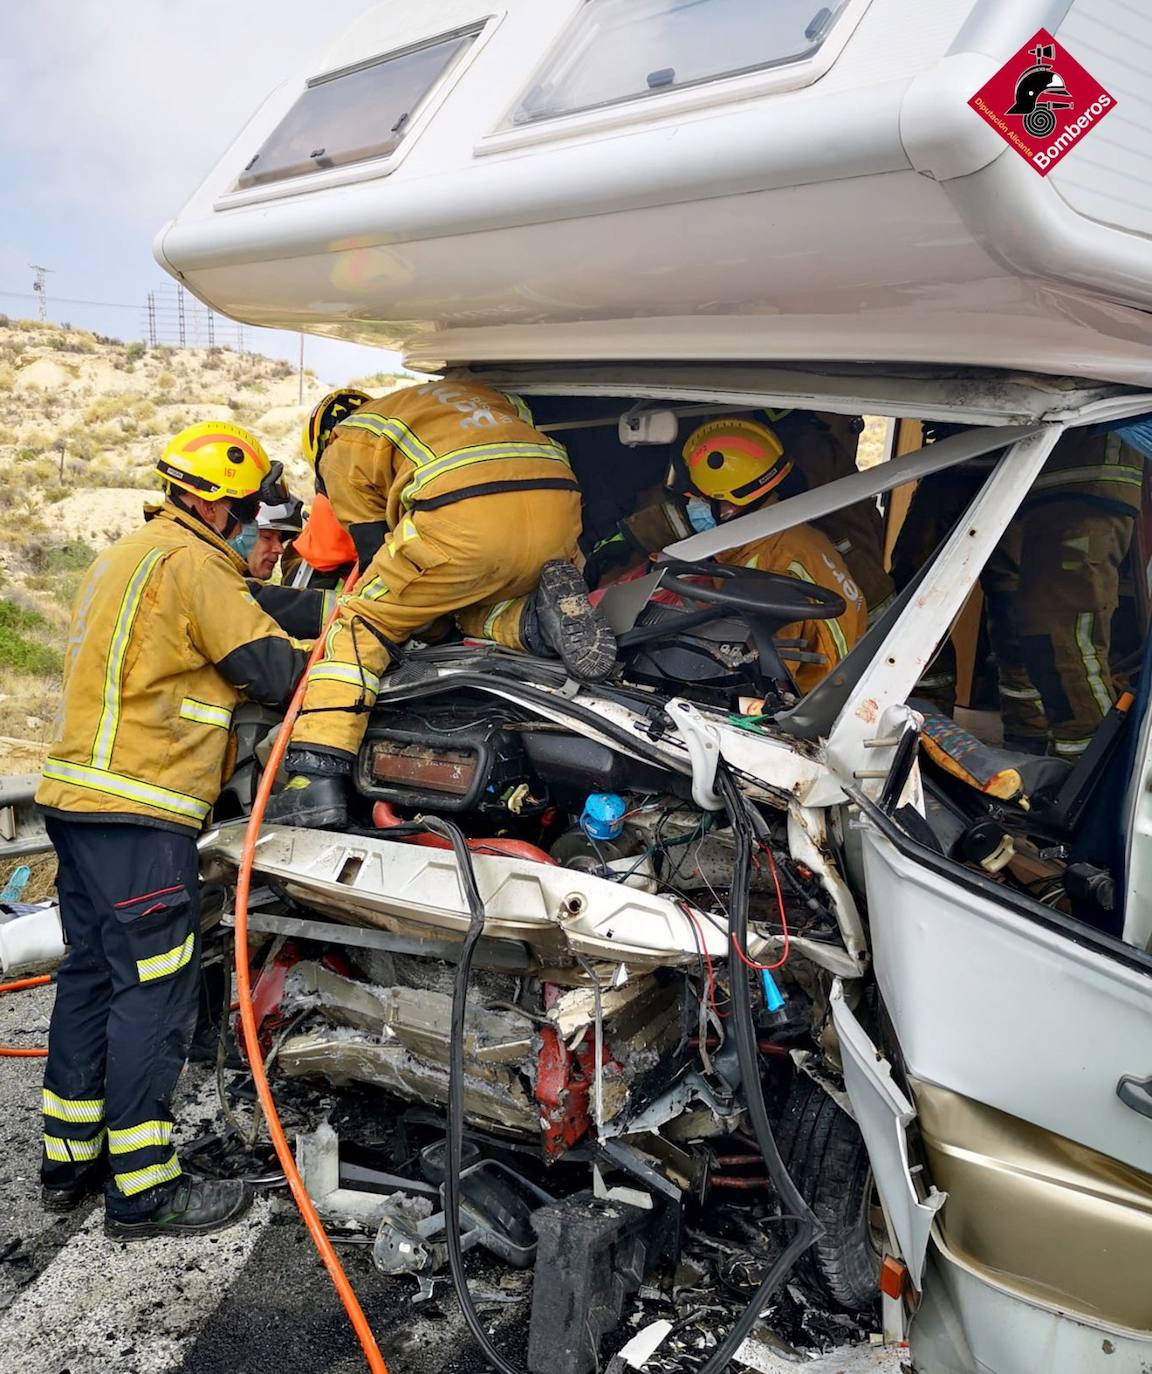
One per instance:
(763,595)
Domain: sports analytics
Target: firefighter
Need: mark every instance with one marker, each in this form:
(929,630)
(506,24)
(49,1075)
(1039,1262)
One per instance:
(1052,587)
(732,466)
(458,508)
(1060,562)
(823,448)
(165,639)
(300,611)
(262,543)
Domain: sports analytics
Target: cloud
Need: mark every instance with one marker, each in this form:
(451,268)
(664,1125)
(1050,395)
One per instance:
(134,101)
(111,114)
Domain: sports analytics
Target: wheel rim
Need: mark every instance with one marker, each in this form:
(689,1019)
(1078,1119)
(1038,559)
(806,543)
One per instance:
(874,1218)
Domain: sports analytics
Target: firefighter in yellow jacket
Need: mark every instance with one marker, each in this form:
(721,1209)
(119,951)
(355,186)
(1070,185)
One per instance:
(1051,587)
(732,466)
(459,508)
(165,639)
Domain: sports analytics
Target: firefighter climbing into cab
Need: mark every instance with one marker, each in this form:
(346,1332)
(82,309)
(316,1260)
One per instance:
(732,466)
(459,507)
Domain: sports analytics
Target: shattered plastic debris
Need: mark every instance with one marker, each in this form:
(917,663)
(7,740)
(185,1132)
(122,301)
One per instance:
(716,1276)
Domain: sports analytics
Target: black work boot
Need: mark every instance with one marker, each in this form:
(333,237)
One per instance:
(69,1197)
(317,794)
(560,621)
(194,1207)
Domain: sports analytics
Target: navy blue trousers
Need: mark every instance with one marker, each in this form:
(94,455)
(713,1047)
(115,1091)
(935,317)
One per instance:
(125,1008)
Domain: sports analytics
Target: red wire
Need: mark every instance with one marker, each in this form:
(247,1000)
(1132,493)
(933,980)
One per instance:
(703,947)
(751,963)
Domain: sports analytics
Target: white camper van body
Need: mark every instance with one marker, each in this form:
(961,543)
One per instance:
(836,208)
(840,232)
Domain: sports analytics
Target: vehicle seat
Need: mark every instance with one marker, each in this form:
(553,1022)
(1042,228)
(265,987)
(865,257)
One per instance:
(1000,773)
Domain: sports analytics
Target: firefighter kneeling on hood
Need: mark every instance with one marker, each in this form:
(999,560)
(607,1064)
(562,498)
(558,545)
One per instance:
(458,508)
(165,640)
(730,467)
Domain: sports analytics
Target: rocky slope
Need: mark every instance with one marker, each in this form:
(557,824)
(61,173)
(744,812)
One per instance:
(82,418)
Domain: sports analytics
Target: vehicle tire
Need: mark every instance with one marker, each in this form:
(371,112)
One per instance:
(825,1154)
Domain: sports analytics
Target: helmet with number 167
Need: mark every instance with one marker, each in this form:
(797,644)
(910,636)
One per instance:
(215,460)
(326,415)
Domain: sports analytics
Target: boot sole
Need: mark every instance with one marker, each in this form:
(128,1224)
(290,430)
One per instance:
(322,818)
(150,1230)
(60,1201)
(60,1206)
(587,646)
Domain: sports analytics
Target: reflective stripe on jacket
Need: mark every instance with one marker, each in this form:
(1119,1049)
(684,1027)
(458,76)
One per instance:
(803,552)
(165,639)
(1099,467)
(431,445)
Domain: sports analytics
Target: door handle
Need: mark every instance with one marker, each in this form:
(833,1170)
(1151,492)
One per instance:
(1136,1093)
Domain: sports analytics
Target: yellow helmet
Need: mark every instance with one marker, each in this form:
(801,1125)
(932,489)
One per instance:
(737,461)
(214,460)
(326,415)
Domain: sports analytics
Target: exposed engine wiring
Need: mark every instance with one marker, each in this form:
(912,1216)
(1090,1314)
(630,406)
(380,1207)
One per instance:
(808,1228)
(751,963)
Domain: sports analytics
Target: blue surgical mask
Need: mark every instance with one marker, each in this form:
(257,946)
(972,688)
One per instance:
(700,514)
(245,541)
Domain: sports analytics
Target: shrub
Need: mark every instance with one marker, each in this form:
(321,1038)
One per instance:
(17,649)
(134,351)
(72,556)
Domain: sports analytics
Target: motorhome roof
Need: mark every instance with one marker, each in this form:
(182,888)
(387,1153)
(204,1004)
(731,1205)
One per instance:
(837,202)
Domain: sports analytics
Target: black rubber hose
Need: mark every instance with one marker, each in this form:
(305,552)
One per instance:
(475,902)
(808,1229)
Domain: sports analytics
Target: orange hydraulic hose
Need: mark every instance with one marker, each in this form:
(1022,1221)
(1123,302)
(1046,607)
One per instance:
(10,1051)
(20,983)
(251,1037)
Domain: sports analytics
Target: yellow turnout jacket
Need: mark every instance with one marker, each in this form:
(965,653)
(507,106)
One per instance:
(165,639)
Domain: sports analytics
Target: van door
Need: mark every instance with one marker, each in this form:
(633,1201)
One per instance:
(1023,1039)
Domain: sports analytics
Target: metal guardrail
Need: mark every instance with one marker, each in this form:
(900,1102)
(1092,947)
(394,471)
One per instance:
(21,822)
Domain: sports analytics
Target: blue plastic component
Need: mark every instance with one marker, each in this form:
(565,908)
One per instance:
(603,816)
(17,882)
(773,997)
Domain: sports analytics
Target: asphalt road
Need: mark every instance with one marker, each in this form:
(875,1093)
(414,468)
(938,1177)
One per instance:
(252,1300)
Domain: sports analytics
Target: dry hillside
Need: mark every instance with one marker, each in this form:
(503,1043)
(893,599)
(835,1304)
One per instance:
(81,420)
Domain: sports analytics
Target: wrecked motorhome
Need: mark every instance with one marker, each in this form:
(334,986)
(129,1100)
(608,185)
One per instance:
(693,936)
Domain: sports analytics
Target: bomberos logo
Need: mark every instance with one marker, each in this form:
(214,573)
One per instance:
(1042,102)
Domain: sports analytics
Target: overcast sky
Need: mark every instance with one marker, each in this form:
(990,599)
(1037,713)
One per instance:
(111,113)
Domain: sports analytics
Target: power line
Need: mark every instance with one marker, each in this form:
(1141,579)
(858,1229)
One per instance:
(64,300)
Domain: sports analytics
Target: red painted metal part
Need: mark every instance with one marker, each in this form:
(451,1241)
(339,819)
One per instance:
(564,1081)
(384,817)
(268,992)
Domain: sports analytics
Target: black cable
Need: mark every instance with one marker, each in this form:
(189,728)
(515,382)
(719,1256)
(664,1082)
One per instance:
(808,1229)
(456,1092)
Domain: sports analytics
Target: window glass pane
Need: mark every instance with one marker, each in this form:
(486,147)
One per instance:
(352,117)
(621,49)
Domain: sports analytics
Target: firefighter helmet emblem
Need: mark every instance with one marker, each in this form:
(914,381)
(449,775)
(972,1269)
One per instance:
(1038,92)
